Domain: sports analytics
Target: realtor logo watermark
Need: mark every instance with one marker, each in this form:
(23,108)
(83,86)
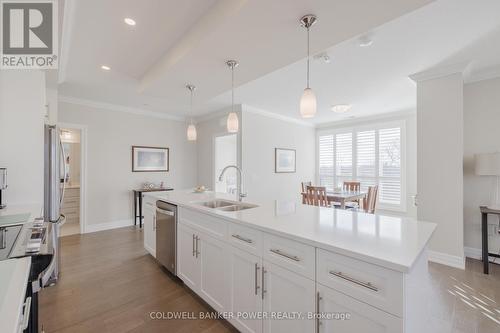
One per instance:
(29,34)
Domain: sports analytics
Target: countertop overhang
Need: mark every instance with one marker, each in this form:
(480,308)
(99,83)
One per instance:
(393,242)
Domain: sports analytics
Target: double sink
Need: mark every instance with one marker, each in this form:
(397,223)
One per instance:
(226,205)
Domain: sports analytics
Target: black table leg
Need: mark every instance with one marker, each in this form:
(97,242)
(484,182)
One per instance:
(140,210)
(484,235)
(135,208)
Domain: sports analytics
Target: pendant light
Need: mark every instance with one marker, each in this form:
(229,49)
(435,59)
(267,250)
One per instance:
(308,99)
(191,130)
(232,118)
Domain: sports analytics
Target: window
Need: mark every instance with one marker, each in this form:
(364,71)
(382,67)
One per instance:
(371,155)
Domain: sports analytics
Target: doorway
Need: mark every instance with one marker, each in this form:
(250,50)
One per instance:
(72,177)
(225,153)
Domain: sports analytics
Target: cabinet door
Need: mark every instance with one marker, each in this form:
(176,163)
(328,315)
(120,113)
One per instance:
(245,295)
(188,268)
(212,257)
(348,315)
(149,228)
(288,293)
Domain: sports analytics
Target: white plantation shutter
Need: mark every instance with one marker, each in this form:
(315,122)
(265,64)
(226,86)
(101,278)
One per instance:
(326,169)
(390,165)
(372,156)
(343,156)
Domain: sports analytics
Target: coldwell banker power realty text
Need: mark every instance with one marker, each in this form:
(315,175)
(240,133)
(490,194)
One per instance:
(29,34)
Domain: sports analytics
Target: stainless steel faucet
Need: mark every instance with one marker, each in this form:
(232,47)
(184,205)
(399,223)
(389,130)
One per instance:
(241,194)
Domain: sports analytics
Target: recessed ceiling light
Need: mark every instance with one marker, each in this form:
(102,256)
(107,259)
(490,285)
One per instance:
(341,108)
(365,41)
(106,68)
(129,21)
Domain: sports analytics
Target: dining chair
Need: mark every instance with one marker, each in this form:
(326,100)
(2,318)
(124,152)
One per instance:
(305,185)
(351,186)
(370,201)
(316,196)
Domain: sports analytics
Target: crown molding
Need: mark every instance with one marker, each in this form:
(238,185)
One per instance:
(254,110)
(484,74)
(216,114)
(396,115)
(119,108)
(440,71)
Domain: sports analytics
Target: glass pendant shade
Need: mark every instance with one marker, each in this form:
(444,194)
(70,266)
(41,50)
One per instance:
(232,122)
(191,133)
(308,103)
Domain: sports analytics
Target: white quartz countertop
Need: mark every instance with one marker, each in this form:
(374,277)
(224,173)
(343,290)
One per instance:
(14,275)
(389,241)
(34,210)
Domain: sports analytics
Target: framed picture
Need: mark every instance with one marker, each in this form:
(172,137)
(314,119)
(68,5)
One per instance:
(150,159)
(284,160)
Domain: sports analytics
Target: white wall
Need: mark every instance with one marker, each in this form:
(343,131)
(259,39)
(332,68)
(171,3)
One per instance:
(410,121)
(439,159)
(22,113)
(481,135)
(260,136)
(110,179)
(207,129)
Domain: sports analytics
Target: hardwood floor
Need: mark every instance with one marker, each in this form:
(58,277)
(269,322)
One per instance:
(109,284)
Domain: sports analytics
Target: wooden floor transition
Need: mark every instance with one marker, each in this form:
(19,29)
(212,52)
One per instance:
(109,284)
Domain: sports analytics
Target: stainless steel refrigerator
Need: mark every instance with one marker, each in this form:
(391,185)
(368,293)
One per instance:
(54,176)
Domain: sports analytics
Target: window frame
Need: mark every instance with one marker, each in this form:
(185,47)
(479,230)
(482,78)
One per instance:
(354,129)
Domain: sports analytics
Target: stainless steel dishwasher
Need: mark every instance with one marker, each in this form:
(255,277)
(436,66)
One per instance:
(166,235)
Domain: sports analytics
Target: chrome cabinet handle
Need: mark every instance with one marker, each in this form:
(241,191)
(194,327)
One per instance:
(318,322)
(194,251)
(26,314)
(244,239)
(283,254)
(154,222)
(197,252)
(256,277)
(355,281)
(263,278)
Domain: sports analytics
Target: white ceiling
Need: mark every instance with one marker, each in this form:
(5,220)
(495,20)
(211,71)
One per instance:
(175,42)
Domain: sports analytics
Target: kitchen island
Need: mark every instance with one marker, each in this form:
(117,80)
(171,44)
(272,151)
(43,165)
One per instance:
(282,266)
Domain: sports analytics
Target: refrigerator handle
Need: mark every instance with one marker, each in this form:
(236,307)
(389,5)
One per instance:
(65,170)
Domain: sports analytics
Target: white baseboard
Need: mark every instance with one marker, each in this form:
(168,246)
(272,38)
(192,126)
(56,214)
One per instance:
(475,253)
(446,259)
(109,225)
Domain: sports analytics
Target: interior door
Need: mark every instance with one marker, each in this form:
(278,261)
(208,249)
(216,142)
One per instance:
(287,292)
(245,294)
(361,316)
(188,268)
(214,286)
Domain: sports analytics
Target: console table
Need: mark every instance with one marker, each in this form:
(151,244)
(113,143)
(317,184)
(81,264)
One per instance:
(138,201)
(484,236)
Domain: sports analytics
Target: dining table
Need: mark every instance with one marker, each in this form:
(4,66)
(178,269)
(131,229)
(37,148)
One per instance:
(341,197)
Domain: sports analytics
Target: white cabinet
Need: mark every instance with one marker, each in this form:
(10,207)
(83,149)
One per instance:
(188,267)
(201,264)
(342,314)
(150,228)
(245,292)
(287,293)
(212,263)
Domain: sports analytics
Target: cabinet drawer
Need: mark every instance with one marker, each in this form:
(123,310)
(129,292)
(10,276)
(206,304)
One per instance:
(71,215)
(211,225)
(247,239)
(353,315)
(295,256)
(372,284)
